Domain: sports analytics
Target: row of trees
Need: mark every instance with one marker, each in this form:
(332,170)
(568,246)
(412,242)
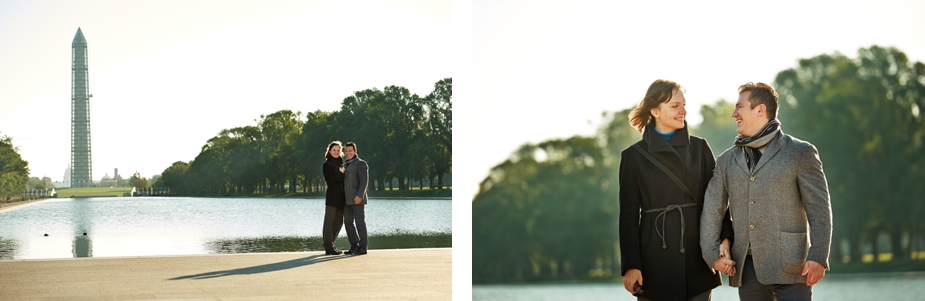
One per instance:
(14,171)
(402,135)
(550,211)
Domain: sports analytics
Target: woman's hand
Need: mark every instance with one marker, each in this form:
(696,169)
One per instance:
(341,169)
(631,277)
(725,264)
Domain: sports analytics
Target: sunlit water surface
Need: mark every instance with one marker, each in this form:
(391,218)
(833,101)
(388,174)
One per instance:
(151,226)
(877,286)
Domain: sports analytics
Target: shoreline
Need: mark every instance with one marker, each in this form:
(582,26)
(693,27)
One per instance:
(10,206)
(4,206)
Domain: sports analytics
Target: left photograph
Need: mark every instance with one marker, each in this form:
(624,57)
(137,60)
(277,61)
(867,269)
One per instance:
(176,150)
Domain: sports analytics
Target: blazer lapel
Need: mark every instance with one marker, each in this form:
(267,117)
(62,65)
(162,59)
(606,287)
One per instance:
(772,149)
(739,156)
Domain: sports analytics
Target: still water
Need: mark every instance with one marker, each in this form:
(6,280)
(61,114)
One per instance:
(880,286)
(151,226)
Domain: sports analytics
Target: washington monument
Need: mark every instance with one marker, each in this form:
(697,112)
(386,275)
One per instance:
(81,167)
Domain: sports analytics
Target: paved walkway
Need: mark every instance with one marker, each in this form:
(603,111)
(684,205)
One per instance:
(407,274)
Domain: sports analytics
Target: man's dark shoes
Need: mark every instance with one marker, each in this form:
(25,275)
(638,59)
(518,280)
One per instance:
(352,251)
(333,251)
(360,251)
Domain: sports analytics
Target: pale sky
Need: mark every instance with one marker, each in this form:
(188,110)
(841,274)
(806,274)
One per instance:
(547,69)
(168,75)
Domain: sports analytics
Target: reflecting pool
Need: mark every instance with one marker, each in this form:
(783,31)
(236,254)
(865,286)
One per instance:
(151,226)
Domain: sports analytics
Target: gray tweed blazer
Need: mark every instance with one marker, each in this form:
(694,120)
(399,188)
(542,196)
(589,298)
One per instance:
(781,209)
(356,180)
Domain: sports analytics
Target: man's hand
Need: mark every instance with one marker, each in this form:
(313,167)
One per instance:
(813,271)
(357,200)
(632,276)
(725,264)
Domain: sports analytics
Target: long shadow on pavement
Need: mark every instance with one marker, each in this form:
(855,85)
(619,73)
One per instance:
(272,267)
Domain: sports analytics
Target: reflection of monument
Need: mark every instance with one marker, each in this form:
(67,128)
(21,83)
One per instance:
(82,220)
(81,174)
(82,247)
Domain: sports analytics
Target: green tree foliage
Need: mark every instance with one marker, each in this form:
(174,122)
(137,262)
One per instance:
(438,130)
(173,177)
(864,115)
(14,171)
(402,135)
(137,182)
(718,127)
(550,212)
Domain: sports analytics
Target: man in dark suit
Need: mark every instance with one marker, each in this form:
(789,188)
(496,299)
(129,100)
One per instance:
(776,191)
(356,178)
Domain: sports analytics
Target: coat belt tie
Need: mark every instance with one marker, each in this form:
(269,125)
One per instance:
(662,215)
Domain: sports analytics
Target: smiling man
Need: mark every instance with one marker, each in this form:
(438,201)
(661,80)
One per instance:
(775,189)
(356,179)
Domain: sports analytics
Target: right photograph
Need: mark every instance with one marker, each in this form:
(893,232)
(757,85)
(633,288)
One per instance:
(698,151)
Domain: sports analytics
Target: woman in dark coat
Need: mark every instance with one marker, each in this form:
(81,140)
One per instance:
(659,222)
(334,199)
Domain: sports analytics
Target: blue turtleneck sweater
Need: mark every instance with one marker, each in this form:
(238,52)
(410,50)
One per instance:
(666,135)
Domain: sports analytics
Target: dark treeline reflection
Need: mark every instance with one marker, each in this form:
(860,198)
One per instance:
(8,248)
(403,136)
(300,244)
(550,211)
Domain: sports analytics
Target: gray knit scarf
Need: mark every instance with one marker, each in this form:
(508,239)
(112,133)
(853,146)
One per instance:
(349,161)
(751,144)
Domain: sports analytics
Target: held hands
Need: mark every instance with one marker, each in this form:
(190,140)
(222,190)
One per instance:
(632,277)
(813,271)
(357,200)
(725,264)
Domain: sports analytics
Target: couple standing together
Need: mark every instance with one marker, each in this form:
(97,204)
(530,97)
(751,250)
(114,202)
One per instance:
(345,199)
(760,212)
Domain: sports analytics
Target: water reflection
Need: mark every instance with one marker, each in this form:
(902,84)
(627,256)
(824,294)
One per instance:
(82,246)
(301,244)
(8,247)
(82,219)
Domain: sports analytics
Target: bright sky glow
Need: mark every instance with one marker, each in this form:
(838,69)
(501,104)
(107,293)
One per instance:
(168,75)
(548,69)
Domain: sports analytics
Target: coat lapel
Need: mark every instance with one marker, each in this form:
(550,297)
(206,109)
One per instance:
(769,152)
(740,158)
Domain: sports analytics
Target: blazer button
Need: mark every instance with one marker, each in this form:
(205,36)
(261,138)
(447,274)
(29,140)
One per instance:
(751,226)
(753,178)
(751,202)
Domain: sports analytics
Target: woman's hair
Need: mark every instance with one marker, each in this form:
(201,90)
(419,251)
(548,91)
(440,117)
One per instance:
(660,91)
(327,154)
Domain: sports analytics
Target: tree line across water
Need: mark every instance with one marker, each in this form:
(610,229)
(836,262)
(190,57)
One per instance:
(403,136)
(550,212)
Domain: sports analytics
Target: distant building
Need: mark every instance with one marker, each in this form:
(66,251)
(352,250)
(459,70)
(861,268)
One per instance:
(107,181)
(67,179)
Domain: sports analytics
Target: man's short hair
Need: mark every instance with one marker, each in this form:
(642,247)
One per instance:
(354,145)
(761,94)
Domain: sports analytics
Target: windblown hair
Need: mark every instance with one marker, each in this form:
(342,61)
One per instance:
(660,91)
(761,94)
(327,154)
